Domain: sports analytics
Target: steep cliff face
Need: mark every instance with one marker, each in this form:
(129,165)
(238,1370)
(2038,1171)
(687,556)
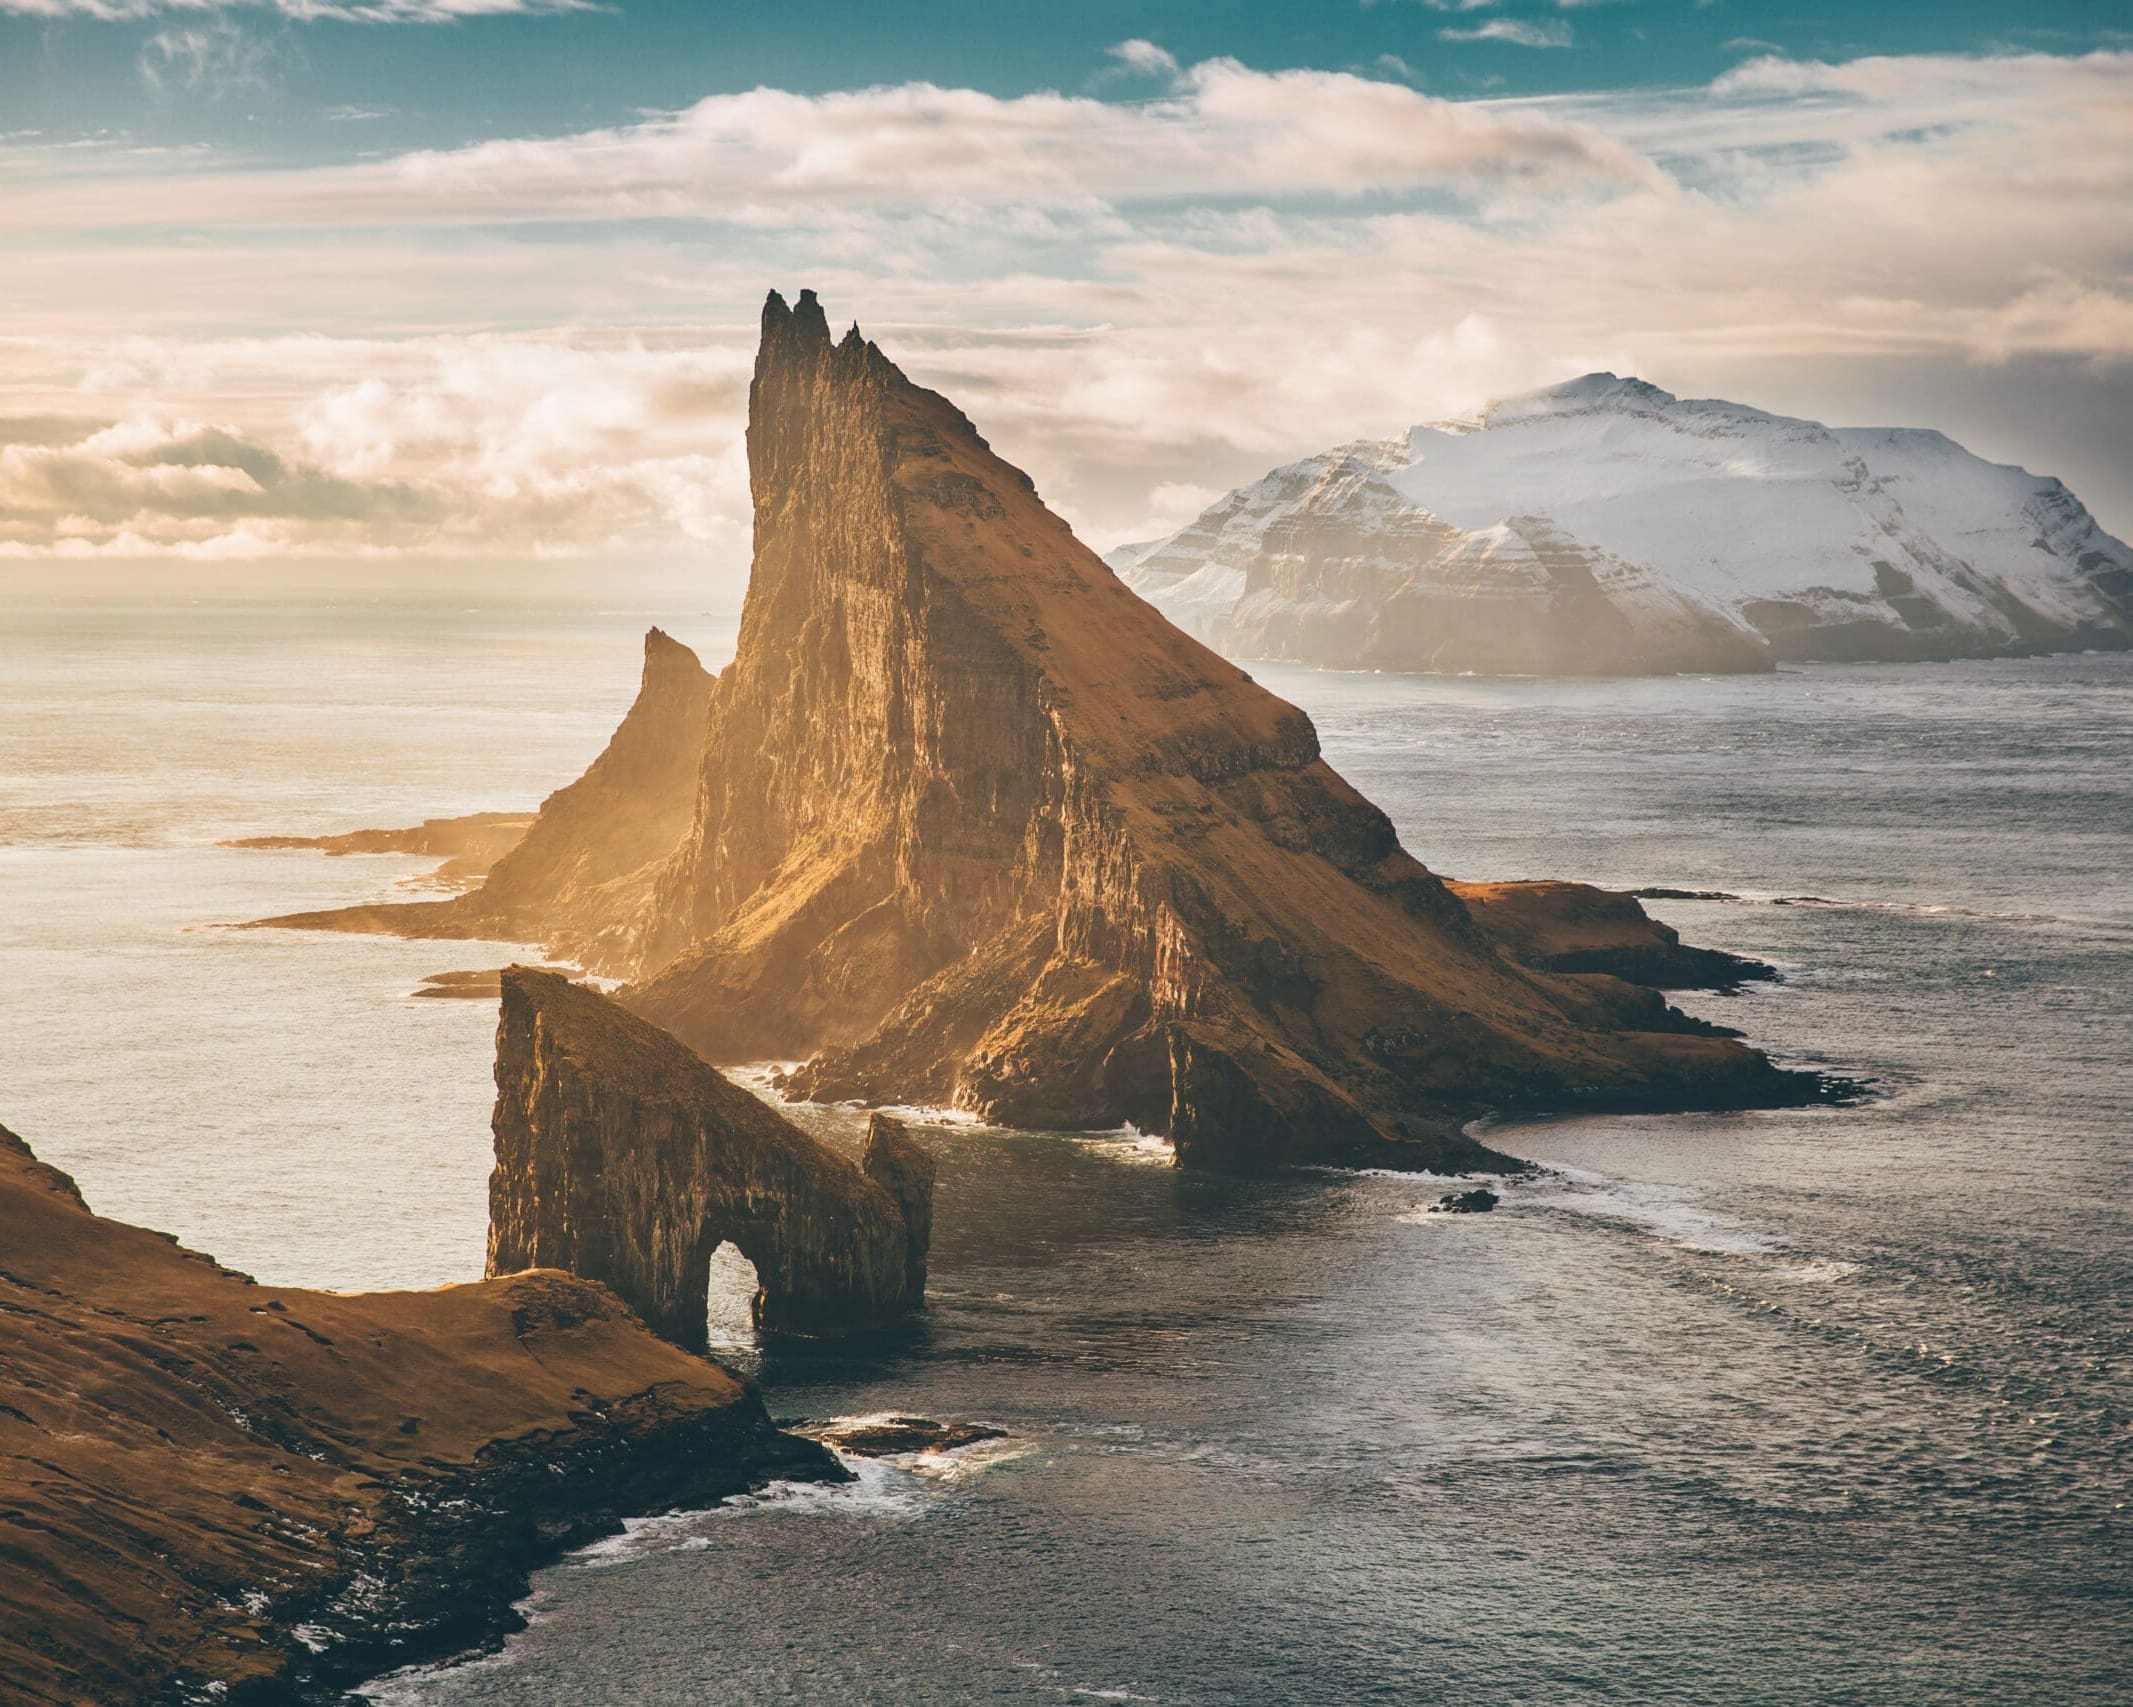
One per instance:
(622,1157)
(577,878)
(211,1489)
(977,826)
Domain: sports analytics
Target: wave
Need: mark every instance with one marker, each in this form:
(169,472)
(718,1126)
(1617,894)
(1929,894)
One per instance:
(1908,909)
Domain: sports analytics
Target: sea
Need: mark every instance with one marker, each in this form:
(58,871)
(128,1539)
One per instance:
(1819,1406)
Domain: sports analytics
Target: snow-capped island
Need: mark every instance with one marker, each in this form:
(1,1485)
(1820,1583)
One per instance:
(1606,527)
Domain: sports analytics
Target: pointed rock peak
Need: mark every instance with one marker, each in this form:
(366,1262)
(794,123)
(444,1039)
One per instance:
(793,337)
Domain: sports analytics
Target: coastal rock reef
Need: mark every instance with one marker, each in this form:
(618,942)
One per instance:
(214,1490)
(622,1157)
(972,824)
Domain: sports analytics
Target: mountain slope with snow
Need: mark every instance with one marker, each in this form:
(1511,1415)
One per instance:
(1606,527)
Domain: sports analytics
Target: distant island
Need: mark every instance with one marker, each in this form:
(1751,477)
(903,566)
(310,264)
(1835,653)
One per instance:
(1607,527)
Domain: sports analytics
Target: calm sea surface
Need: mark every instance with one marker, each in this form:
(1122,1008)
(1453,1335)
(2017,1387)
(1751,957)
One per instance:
(1810,1407)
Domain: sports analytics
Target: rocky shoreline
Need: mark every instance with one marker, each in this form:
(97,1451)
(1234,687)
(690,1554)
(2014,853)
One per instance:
(214,1490)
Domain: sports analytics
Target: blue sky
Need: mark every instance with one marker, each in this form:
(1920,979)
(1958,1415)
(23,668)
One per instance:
(353,282)
(540,71)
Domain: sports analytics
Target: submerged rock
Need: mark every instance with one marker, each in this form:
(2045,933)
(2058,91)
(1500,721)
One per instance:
(213,1489)
(622,1157)
(1479,1201)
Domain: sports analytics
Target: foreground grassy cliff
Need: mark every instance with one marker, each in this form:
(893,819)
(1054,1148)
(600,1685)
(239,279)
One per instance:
(216,1490)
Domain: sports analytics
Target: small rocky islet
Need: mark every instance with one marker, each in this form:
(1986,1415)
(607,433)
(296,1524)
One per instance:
(965,822)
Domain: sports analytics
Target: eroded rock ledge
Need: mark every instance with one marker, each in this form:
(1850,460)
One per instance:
(622,1157)
(216,1490)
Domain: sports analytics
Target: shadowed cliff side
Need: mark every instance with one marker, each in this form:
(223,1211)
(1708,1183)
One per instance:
(212,1489)
(577,878)
(622,1157)
(977,826)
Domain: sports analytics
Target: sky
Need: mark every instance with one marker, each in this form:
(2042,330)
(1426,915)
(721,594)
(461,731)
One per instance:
(358,288)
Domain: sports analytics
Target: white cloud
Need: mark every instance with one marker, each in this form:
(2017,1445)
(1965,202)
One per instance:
(1513,32)
(771,157)
(214,59)
(1144,58)
(1134,338)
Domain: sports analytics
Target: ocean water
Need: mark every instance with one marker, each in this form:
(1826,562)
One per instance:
(1823,1406)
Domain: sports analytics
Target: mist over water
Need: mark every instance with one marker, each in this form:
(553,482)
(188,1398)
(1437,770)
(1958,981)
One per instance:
(1798,1407)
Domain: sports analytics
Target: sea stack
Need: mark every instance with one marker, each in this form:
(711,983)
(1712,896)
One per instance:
(966,822)
(977,826)
(622,1157)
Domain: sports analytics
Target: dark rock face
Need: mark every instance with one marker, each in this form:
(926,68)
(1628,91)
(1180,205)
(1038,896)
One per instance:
(214,1489)
(978,827)
(622,1157)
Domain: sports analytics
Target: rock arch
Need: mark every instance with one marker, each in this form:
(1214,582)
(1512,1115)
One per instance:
(621,1156)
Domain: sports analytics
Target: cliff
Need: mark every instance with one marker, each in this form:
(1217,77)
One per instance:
(622,1157)
(212,1489)
(1605,526)
(976,826)
(576,877)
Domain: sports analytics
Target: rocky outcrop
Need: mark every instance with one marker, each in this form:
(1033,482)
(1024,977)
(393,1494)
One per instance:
(468,845)
(1607,527)
(1575,927)
(216,1490)
(622,1157)
(977,827)
(575,879)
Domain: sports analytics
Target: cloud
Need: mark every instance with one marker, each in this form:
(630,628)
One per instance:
(771,157)
(215,59)
(1144,58)
(1171,297)
(1513,32)
(300,11)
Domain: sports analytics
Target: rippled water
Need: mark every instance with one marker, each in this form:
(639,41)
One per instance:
(1803,1407)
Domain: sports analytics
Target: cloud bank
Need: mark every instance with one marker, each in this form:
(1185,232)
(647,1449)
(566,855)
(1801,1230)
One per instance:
(539,345)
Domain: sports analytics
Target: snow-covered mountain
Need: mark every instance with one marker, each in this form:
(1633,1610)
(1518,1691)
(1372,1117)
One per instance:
(1606,527)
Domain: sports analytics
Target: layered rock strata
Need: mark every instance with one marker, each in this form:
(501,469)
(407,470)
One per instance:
(978,827)
(622,1157)
(216,1490)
